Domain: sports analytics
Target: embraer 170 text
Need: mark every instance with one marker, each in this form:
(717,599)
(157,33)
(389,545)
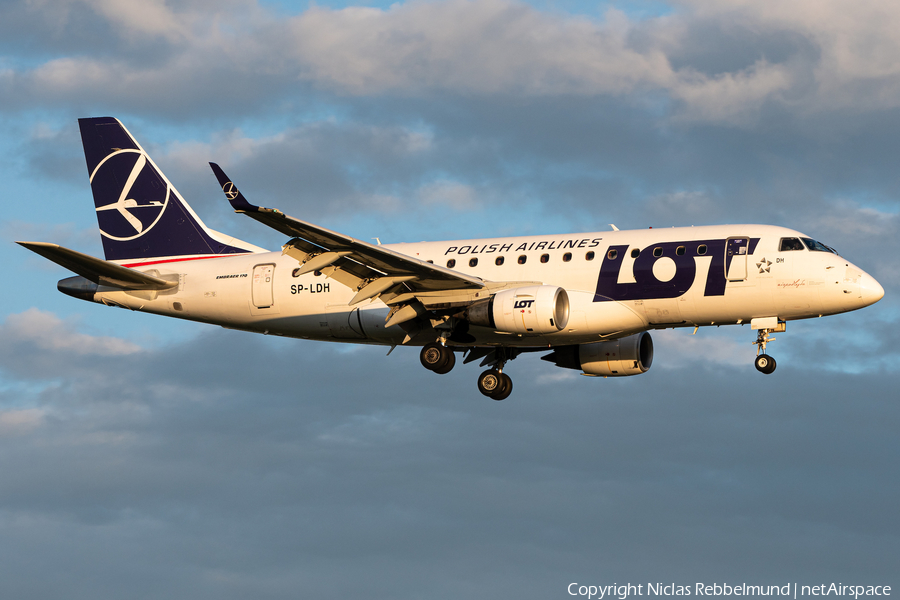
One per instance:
(588,298)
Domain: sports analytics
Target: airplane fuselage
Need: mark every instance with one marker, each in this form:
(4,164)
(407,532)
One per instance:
(618,283)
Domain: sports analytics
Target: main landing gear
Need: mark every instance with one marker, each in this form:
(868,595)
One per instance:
(493,383)
(765,363)
(438,358)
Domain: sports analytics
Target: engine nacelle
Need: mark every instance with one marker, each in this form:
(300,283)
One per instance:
(535,309)
(630,355)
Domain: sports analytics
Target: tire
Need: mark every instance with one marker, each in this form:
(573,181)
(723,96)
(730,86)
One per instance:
(490,382)
(451,362)
(505,389)
(434,356)
(765,364)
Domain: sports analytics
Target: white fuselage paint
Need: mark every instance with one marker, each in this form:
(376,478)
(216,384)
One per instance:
(784,284)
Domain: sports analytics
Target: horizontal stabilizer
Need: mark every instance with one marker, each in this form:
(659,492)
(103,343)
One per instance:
(99,271)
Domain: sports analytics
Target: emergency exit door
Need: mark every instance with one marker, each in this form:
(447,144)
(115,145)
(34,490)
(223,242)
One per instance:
(263,276)
(736,250)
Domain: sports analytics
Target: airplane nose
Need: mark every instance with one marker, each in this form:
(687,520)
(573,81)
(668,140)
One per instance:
(870,290)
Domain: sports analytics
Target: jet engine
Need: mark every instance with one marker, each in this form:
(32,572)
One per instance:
(630,355)
(536,309)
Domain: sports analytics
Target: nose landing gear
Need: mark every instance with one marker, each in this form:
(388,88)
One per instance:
(765,363)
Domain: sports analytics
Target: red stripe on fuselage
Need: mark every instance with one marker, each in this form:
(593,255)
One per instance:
(171,260)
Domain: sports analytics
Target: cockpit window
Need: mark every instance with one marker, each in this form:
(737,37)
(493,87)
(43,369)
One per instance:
(818,246)
(790,244)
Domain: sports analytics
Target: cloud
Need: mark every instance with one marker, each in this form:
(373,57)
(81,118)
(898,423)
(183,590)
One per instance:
(449,194)
(37,344)
(470,47)
(45,331)
(229,465)
(20,421)
(497,47)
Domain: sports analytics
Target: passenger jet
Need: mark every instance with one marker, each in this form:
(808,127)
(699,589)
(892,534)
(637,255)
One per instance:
(586,300)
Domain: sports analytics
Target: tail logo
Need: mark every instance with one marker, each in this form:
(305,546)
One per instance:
(231,191)
(128,210)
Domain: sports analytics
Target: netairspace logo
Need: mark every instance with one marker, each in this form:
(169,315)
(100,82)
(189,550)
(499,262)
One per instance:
(791,590)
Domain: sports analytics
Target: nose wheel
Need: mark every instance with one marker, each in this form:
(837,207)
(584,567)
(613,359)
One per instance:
(765,363)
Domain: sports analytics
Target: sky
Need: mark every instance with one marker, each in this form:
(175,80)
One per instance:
(144,457)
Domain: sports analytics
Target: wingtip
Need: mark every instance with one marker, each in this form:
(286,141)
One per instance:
(234,196)
(32,245)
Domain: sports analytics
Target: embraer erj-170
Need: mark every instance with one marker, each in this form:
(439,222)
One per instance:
(587,299)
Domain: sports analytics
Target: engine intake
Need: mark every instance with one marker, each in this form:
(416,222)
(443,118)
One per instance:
(630,355)
(536,309)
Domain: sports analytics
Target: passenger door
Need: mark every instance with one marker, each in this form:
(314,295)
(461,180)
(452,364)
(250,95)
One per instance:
(736,250)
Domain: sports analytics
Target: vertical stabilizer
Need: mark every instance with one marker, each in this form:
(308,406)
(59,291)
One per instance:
(142,217)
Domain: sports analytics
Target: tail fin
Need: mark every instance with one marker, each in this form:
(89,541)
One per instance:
(142,217)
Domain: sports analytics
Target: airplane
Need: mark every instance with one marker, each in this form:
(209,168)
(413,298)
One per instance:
(588,300)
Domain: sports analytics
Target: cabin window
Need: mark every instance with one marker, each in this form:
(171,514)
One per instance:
(317,273)
(657,252)
(451,263)
(545,258)
(522,259)
(612,254)
(567,257)
(788,244)
(296,272)
(635,253)
(499,261)
(679,251)
(473,262)
(701,249)
(589,255)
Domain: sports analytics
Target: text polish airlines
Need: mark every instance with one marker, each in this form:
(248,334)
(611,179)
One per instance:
(587,300)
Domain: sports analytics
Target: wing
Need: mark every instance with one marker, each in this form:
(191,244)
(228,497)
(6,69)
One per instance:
(410,286)
(325,248)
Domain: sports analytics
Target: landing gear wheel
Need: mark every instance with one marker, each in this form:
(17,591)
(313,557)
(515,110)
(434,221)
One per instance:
(451,362)
(435,356)
(490,382)
(494,384)
(765,364)
(504,391)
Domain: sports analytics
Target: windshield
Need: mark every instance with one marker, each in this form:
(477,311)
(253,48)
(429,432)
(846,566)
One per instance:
(817,246)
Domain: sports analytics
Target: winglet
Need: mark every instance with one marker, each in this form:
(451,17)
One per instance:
(234,195)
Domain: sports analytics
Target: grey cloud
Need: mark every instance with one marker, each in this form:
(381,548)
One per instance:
(281,466)
(240,60)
